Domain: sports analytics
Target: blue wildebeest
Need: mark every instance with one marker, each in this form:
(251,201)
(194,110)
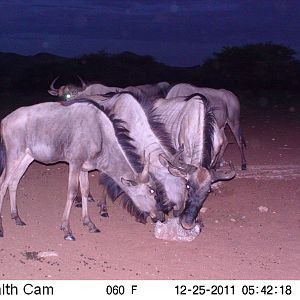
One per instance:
(70,91)
(151,91)
(193,128)
(84,137)
(150,139)
(226,109)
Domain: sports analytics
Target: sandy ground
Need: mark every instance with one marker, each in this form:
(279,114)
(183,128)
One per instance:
(237,242)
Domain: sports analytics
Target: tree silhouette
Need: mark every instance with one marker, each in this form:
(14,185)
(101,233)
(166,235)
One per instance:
(256,66)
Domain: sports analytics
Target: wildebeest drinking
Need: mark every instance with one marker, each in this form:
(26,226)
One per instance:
(49,133)
(192,125)
(149,137)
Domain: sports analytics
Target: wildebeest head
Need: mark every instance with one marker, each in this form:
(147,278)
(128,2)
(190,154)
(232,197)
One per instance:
(199,181)
(147,195)
(199,184)
(67,92)
(174,181)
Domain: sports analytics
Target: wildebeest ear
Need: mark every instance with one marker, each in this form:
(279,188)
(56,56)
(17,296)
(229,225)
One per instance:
(163,160)
(53,93)
(128,182)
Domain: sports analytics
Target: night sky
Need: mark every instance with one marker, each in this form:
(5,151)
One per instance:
(178,33)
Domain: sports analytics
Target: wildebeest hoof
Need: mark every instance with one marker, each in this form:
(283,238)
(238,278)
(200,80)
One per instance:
(1,234)
(244,166)
(104,214)
(92,227)
(69,237)
(94,230)
(91,199)
(78,204)
(19,222)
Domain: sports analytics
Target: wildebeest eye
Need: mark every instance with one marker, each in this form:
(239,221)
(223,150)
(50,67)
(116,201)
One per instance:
(151,191)
(188,186)
(68,96)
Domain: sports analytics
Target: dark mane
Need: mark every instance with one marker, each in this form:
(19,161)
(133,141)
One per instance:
(161,204)
(210,122)
(114,191)
(163,92)
(121,132)
(109,94)
(156,125)
(154,120)
(2,153)
(125,140)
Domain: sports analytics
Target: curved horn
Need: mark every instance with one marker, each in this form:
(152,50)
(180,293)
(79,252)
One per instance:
(83,84)
(144,176)
(176,157)
(218,175)
(52,85)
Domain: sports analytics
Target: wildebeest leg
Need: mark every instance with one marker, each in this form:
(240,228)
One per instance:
(12,164)
(103,204)
(13,185)
(3,188)
(237,132)
(220,156)
(71,194)
(84,188)
(90,197)
(78,199)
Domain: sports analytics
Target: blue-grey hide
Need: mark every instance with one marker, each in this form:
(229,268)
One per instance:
(51,132)
(226,109)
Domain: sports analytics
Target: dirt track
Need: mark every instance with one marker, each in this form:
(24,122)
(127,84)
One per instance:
(238,240)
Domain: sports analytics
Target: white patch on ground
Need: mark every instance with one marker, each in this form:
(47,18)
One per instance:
(47,254)
(171,230)
(216,186)
(263,209)
(267,172)
(203,209)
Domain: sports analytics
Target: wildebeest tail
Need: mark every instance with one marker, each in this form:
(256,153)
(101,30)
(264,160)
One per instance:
(242,137)
(2,154)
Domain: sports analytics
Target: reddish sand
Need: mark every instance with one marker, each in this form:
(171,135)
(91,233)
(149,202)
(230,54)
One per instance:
(237,242)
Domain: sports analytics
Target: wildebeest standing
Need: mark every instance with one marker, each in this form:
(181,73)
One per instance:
(151,91)
(193,128)
(71,91)
(150,139)
(84,137)
(226,109)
